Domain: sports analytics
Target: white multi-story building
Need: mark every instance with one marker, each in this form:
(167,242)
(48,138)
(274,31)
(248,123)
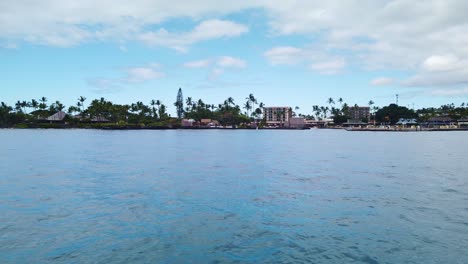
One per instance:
(277,115)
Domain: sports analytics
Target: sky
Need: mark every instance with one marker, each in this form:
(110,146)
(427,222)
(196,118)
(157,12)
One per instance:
(287,53)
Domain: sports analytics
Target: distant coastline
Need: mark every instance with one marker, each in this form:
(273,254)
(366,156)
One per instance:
(196,114)
(137,127)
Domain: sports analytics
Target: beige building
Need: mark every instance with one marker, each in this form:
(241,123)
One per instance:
(277,115)
(297,122)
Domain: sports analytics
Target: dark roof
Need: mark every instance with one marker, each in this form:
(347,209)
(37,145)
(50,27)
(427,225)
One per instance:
(440,119)
(99,119)
(59,116)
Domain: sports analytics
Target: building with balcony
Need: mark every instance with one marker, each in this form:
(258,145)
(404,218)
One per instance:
(359,112)
(277,115)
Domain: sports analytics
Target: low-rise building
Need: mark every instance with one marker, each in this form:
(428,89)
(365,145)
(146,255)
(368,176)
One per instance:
(297,122)
(99,119)
(318,123)
(440,121)
(463,123)
(354,123)
(277,115)
(188,122)
(57,117)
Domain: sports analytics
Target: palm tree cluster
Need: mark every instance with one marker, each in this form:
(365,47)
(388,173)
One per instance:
(38,110)
(339,110)
(450,110)
(227,112)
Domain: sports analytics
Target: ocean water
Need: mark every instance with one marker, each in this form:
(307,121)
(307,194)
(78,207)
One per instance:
(234,196)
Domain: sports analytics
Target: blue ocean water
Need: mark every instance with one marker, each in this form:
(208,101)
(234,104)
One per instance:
(233,196)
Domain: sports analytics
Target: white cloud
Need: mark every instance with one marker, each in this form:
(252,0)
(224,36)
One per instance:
(206,30)
(219,62)
(9,46)
(318,61)
(441,63)
(440,70)
(217,66)
(329,67)
(427,38)
(450,92)
(150,72)
(284,55)
(104,85)
(197,64)
(382,81)
(413,36)
(230,62)
(142,74)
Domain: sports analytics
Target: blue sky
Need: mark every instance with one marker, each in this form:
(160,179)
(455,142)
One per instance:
(296,53)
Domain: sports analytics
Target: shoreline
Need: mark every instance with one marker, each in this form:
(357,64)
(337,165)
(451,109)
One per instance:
(64,127)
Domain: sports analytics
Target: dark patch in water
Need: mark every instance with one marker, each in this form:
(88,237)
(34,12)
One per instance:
(450,191)
(365,258)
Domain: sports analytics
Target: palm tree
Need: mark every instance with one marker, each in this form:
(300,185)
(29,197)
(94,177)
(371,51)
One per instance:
(34,104)
(295,110)
(330,101)
(189,104)
(80,103)
(230,101)
(370,109)
(24,105)
(200,103)
(18,107)
(162,111)
(43,104)
(247,107)
(259,110)
(317,111)
(251,101)
(73,109)
(59,105)
(153,108)
(324,111)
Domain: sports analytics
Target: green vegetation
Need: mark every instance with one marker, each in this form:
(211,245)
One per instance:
(386,115)
(100,113)
(392,113)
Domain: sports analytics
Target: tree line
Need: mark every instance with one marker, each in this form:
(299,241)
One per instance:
(227,112)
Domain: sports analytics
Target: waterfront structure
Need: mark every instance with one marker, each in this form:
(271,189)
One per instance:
(360,112)
(277,115)
(463,123)
(188,122)
(440,121)
(99,119)
(354,123)
(209,122)
(317,123)
(407,122)
(297,122)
